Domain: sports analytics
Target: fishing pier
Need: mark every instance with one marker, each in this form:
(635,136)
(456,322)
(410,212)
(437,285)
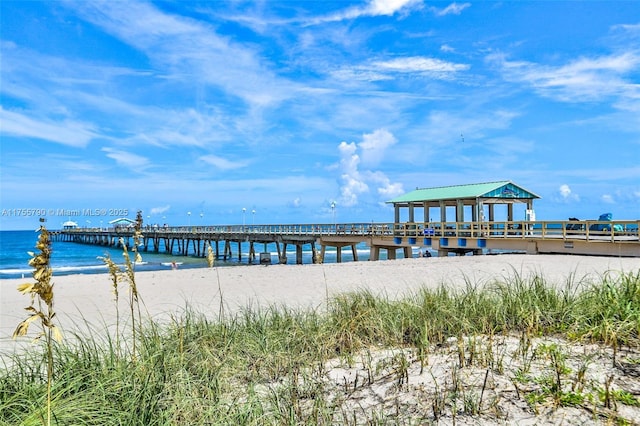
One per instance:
(617,238)
(421,220)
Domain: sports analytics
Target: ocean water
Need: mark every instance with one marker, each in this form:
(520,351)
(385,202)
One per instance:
(75,258)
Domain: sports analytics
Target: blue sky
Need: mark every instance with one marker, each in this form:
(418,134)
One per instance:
(281,107)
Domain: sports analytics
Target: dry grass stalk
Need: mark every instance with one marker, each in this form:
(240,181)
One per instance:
(42,289)
(210,256)
(114,273)
(134,299)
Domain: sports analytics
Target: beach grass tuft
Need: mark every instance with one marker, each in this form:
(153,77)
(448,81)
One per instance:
(42,292)
(278,365)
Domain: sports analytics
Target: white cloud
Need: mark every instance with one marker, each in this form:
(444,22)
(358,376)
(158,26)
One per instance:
(419,64)
(387,69)
(607,198)
(65,132)
(567,194)
(373,8)
(356,183)
(127,159)
(386,188)
(374,145)
(184,48)
(159,210)
(452,9)
(582,79)
(390,7)
(223,163)
(352,183)
(352,187)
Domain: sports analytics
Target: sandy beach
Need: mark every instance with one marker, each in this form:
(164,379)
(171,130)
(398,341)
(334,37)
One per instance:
(80,298)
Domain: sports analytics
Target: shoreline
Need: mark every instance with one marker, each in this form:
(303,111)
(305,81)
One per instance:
(88,298)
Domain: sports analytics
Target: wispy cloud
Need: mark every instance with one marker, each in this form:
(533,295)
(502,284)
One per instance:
(184,48)
(372,8)
(579,80)
(607,199)
(127,159)
(452,9)
(420,65)
(223,163)
(388,69)
(66,132)
(159,210)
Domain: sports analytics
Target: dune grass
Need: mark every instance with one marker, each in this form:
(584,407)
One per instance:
(267,366)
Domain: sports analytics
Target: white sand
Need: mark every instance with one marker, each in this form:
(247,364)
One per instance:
(90,297)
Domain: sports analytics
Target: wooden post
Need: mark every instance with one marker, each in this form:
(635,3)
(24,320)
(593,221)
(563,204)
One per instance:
(407,253)
(299,254)
(227,249)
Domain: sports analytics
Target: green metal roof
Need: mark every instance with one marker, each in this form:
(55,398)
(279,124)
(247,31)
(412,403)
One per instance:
(503,189)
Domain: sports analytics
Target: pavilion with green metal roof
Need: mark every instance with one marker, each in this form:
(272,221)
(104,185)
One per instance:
(478,198)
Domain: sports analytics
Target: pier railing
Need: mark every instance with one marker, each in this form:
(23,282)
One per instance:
(581,230)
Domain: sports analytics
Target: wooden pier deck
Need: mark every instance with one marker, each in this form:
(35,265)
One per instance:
(616,238)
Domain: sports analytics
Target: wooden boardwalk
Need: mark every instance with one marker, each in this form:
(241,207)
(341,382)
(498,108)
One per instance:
(617,238)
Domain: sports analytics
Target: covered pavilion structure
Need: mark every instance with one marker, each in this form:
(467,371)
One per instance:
(470,203)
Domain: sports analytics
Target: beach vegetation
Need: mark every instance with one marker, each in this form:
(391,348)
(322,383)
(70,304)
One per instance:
(41,291)
(352,361)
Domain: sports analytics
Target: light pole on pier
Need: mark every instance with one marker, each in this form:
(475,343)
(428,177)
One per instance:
(244,210)
(333,212)
(189,219)
(253,217)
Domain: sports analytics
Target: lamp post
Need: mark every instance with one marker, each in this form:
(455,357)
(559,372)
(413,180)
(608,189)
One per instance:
(333,212)
(244,210)
(189,218)
(253,217)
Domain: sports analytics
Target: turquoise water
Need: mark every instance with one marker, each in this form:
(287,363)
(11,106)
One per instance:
(74,258)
